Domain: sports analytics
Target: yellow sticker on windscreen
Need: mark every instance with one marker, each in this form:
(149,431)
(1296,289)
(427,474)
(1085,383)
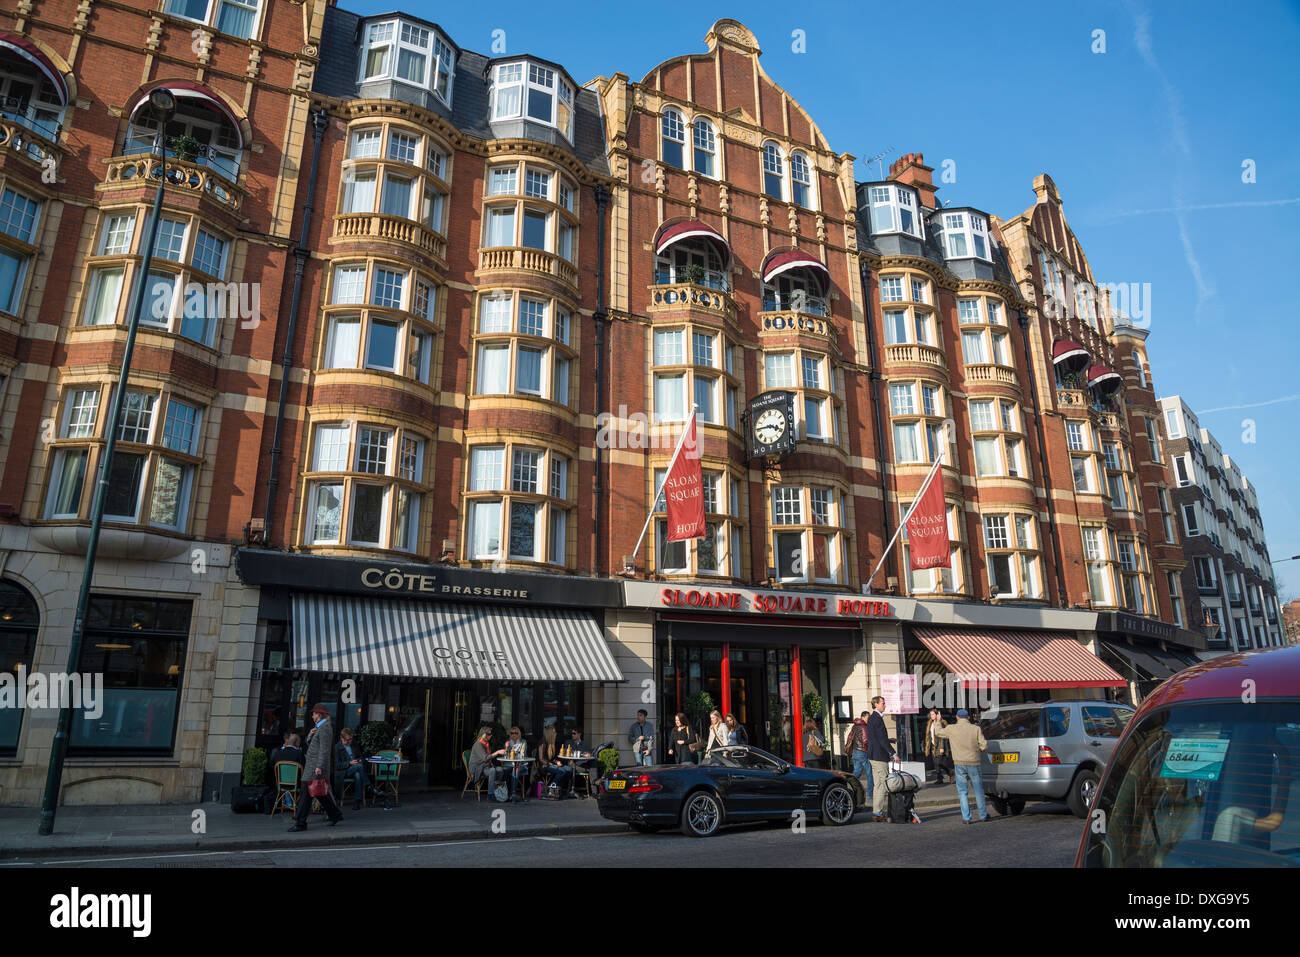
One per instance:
(1200,759)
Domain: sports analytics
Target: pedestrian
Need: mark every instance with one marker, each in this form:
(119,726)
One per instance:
(480,761)
(736,733)
(855,746)
(879,754)
(966,741)
(935,749)
(641,736)
(682,741)
(814,746)
(320,753)
(717,732)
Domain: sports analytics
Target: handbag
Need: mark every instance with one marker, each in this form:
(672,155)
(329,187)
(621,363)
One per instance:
(318,787)
(816,749)
(502,793)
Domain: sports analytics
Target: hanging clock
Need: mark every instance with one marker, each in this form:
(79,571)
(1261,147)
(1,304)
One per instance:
(771,424)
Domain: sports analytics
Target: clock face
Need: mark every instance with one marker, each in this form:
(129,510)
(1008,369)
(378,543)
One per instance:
(769,426)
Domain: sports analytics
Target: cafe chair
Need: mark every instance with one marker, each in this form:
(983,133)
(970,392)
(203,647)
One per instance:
(586,774)
(286,785)
(387,776)
(477,785)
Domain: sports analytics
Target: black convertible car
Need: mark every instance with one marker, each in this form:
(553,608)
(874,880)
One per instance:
(729,786)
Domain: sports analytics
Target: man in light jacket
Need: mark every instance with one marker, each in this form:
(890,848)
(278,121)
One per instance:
(320,752)
(641,736)
(966,741)
(879,753)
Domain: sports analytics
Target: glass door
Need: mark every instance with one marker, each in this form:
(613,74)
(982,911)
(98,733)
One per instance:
(779,719)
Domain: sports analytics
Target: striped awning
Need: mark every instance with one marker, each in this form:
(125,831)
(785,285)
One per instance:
(1103,377)
(675,231)
(34,55)
(412,639)
(1018,659)
(784,260)
(1069,352)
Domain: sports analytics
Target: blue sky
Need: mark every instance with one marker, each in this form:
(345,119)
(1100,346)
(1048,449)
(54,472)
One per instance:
(1144,141)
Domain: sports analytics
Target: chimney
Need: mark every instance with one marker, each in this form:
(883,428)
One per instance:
(910,170)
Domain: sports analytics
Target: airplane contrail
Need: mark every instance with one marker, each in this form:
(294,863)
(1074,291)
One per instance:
(1249,405)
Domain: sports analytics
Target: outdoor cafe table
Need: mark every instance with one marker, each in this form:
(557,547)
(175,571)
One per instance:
(574,760)
(511,762)
(389,789)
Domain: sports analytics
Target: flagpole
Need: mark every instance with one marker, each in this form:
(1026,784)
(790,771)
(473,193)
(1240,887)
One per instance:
(912,508)
(680,439)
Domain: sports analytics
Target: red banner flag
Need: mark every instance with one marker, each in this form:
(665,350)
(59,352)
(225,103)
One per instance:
(927,529)
(684,489)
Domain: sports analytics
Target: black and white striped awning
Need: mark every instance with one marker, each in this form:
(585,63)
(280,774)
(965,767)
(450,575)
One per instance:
(412,639)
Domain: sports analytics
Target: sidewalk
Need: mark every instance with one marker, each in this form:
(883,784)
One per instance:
(422,818)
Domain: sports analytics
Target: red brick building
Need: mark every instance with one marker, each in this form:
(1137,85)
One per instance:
(412,485)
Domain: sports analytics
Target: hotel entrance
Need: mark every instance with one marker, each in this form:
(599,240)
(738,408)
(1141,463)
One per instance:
(773,687)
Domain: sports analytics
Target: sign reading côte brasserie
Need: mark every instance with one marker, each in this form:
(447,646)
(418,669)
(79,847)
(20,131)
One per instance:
(750,602)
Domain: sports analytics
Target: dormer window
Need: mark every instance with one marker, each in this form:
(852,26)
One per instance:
(893,210)
(409,53)
(966,235)
(530,91)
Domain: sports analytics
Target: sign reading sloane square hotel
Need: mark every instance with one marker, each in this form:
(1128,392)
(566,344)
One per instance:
(927,530)
(747,601)
(684,489)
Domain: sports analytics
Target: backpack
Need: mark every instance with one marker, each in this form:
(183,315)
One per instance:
(900,807)
(849,741)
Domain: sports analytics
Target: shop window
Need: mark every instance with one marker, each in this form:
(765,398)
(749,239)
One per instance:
(20,621)
(139,645)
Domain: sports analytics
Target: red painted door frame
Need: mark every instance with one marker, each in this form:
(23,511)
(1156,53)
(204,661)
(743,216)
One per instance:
(726,678)
(796,704)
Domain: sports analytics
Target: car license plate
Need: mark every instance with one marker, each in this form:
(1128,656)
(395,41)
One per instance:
(617,785)
(1009,758)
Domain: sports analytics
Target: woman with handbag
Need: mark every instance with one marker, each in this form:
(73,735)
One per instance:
(936,748)
(717,732)
(681,741)
(814,746)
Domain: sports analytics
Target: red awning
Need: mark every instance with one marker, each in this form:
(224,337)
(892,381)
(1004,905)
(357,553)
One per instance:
(1065,350)
(1018,659)
(672,232)
(30,52)
(197,91)
(1100,376)
(787,259)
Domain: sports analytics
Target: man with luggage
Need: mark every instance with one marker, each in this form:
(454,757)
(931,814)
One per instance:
(966,741)
(879,754)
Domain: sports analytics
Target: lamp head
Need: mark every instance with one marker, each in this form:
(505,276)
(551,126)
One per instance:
(163,102)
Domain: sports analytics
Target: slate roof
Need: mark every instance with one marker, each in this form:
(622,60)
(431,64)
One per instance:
(337,77)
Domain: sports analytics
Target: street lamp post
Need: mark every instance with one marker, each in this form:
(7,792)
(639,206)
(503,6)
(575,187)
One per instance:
(163,103)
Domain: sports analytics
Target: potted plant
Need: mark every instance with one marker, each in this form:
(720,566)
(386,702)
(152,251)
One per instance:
(250,794)
(813,707)
(185,147)
(697,707)
(608,760)
(695,273)
(375,736)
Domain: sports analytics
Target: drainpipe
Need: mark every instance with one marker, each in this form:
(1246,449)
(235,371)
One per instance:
(1042,459)
(301,253)
(875,377)
(601,316)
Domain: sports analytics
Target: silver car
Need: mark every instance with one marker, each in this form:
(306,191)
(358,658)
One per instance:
(1055,751)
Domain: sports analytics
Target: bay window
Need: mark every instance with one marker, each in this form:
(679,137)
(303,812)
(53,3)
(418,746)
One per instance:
(917,411)
(694,361)
(1011,552)
(718,552)
(406,180)
(998,438)
(517,503)
(522,346)
(808,540)
(19,216)
(527,90)
(550,226)
(932,581)
(809,375)
(966,235)
(392,332)
(364,486)
(408,53)
(152,476)
(1099,565)
(893,209)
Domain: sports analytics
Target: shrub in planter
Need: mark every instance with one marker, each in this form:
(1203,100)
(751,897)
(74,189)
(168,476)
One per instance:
(375,736)
(250,795)
(608,760)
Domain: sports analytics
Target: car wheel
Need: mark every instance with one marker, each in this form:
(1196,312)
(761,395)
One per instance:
(837,805)
(1081,791)
(643,828)
(702,815)
(1000,806)
(1016,807)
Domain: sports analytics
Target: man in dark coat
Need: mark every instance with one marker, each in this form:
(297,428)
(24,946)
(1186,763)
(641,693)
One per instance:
(320,753)
(879,753)
(290,750)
